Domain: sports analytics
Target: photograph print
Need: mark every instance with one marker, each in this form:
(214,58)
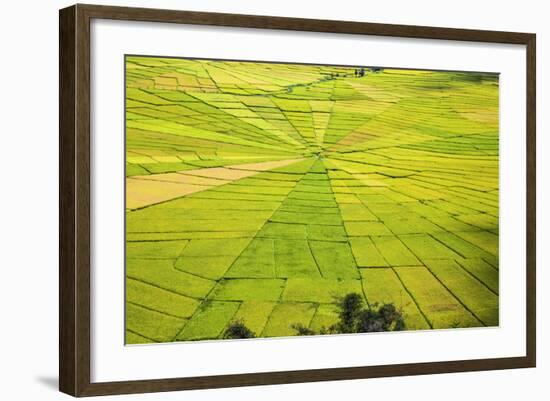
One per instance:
(275,199)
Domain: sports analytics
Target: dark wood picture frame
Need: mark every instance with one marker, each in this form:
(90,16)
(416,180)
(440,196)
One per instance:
(74,199)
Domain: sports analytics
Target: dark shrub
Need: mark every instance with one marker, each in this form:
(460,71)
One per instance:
(350,308)
(385,318)
(355,318)
(237,329)
(303,330)
(369,321)
(393,318)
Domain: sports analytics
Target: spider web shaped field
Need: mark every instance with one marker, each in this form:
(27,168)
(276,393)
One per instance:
(262,192)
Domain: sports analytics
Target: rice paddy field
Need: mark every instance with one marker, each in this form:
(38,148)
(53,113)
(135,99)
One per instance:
(261,192)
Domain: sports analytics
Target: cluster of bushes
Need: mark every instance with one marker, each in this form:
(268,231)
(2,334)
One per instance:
(353,317)
(237,329)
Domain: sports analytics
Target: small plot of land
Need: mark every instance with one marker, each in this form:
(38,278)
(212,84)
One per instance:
(264,192)
(145,190)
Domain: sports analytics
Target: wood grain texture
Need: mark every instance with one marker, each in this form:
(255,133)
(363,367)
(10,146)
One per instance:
(74,206)
(74,199)
(300,24)
(67,238)
(531,202)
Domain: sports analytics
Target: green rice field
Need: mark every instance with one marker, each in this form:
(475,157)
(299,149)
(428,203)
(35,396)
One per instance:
(261,193)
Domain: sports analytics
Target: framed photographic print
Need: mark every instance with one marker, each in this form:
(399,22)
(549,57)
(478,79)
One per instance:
(250,200)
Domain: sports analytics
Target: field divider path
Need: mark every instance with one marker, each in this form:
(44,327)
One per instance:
(428,321)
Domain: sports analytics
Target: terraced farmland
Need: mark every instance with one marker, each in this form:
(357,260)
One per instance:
(263,192)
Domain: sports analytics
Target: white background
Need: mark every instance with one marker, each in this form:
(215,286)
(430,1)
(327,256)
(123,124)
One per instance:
(28,205)
(111,361)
